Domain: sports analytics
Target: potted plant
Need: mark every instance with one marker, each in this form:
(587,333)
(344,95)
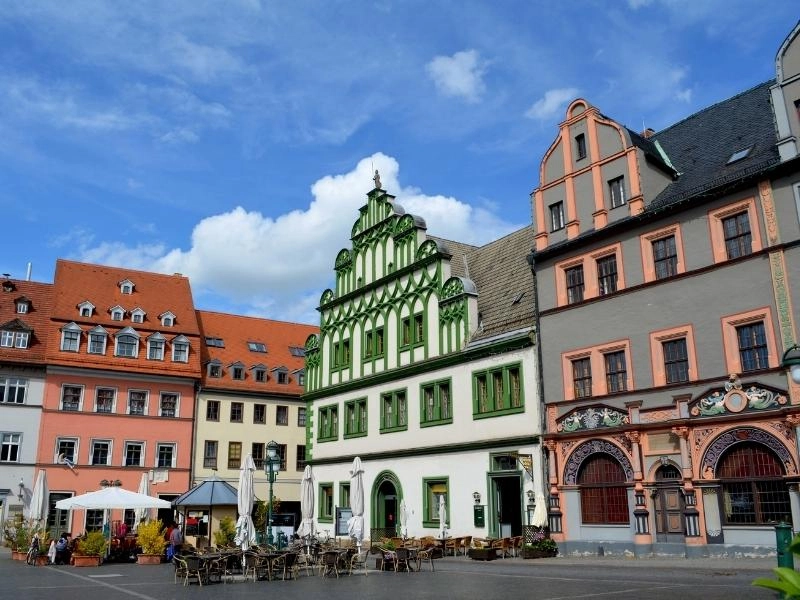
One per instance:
(150,536)
(44,548)
(20,538)
(90,550)
(544,548)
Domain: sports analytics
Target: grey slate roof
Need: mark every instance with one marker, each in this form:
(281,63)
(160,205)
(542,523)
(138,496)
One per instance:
(699,146)
(501,273)
(212,492)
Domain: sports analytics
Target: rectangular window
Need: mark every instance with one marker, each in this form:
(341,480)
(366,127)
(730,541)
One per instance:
(155,350)
(676,361)
(341,354)
(616,372)
(260,375)
(435,489)
(9,447)
(607,275)
(67,449)
(137,402)
(180,352)
(257,452)
(214,370)
(738,239)
(412,330)
(283,376)
(210,454)
(355,418)
(260,413)
(71,397)
(70,340)
(281,415)
(234,455)
(665,257)
(13,389)
(134,453)
(575,287)
(21,339)
(328,423)
(497,392)
(753,352)
(436,404)
(616,191)
(168,404)
(300,462)
(556,216)
(104,400)
(394,411)
(257,346)
(326,502)
(582,377)
(282,453)
(6,339)
(344,494)
(212,410)
(165,456)
(97,343)
(237,412)
(373,343)
(238,373)
(580,146)
(301,417)
(94,519)
(11,339)
(101,452)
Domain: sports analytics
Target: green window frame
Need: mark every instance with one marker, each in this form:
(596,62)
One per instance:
(344,495)
(355,418)
(412,330)
(497,392)
(325,514)
(432,488)
(374,343)
(436,403)
(394,411)
(340,358)
(328,423)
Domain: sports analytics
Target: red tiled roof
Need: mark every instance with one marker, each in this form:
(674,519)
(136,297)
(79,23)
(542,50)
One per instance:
(40,296)
(154,293)
(235,332)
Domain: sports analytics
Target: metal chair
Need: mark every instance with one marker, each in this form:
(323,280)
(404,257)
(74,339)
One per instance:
(359,561)
(194,569)
(401,560)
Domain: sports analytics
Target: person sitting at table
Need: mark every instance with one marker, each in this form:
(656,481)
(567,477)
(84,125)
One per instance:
(62,550)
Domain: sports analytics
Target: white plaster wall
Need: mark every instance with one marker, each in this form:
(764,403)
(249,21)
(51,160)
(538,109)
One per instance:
(749,536)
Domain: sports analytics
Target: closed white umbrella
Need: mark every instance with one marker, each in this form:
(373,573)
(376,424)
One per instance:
(306,528)
(143,514)
(39,505)
(355,524)
(442,517)
(403,518)
(539,518)
(245,530)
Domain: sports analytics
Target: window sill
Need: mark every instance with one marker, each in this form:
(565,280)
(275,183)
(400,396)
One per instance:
(327,439)
(436,423)
(499,413)
(325,519)
(394,429)
(358,434)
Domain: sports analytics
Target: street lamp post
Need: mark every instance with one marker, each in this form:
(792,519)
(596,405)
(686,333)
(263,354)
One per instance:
(791,362)
(271,468)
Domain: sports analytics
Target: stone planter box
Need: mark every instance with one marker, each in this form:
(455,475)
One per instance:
(80,560)
(42,560)
(483,553)
(148,559)
(17,555)
(527,553)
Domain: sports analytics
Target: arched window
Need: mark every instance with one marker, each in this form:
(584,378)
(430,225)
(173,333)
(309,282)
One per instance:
(604,495)
(753,488)
(127,345)
(668,473)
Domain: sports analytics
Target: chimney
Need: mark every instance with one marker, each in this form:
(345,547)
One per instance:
(648,133)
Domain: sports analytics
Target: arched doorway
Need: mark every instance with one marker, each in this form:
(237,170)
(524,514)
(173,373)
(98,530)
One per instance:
(669,504)
(385,498)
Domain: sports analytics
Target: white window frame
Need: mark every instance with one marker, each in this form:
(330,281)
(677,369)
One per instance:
(174,447)
(97,332)
(11,443)
(156,342)
(113,399)
(141,445)
(22,307)
(127,332)
(146,403)
(178,343)
(92,443)
(80,396)
(137,315)
(16,383)
(177,404)
(86,309)
(167,319)
(6,338)
(616,191)
(76,448)
(71,329)
(126,287)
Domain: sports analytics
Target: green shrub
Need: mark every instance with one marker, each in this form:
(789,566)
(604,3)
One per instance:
(92,544)
(544,545)
(788,581)
(150,536)
(223,537)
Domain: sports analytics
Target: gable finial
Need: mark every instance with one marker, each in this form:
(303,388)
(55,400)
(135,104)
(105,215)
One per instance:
(377,180)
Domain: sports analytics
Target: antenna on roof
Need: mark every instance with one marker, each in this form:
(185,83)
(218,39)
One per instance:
(466,267)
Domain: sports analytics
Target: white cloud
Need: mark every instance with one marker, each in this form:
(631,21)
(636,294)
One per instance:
(282,264)
(179,136)
(553,101)
(459,75)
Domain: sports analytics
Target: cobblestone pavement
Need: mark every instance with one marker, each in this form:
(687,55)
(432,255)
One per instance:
(461,578)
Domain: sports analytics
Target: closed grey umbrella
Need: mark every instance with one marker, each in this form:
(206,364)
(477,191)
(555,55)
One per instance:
(245,530)
(306,528)
(355,525)
(38,507)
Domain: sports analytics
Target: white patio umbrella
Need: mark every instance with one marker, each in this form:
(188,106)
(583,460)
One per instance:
(38,507)
(112,497)
(442,517)
(355,524)
(539,518)
(245,530)
(306,528)
(403,518)
(143,514)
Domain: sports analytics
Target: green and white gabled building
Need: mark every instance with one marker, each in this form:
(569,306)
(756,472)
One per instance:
(425,368)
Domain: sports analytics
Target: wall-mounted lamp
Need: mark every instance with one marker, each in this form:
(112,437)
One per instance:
(530,495)
(791,362)
(477,497)
(21,493)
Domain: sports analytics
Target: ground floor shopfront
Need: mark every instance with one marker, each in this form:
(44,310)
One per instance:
(711,476)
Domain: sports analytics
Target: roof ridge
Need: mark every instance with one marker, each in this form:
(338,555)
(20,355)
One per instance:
(227,314)
(116,268)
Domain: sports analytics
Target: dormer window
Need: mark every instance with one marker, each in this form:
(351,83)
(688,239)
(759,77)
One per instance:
(155,347)
(97,340)
(300,374)
(117,313)
(237,370)
(23,305)
(70,338)
(126,287)
(282,375)
(15,334)
(127,343)
(167,319)
(86,309)
(215,369)
(259,373)
(137,315)
(180,349)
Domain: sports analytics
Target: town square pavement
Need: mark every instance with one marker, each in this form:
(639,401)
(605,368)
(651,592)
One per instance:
(455,577)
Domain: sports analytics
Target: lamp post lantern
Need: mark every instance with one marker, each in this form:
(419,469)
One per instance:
(271,468)
(791,362)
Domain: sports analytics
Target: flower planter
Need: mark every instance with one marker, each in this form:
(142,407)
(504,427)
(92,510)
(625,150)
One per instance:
(17,555)
(42,560)
(526,553)
(148,559)
(80,560)
(483,553)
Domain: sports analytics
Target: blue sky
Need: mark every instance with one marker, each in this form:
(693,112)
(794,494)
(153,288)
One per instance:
(234,141)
